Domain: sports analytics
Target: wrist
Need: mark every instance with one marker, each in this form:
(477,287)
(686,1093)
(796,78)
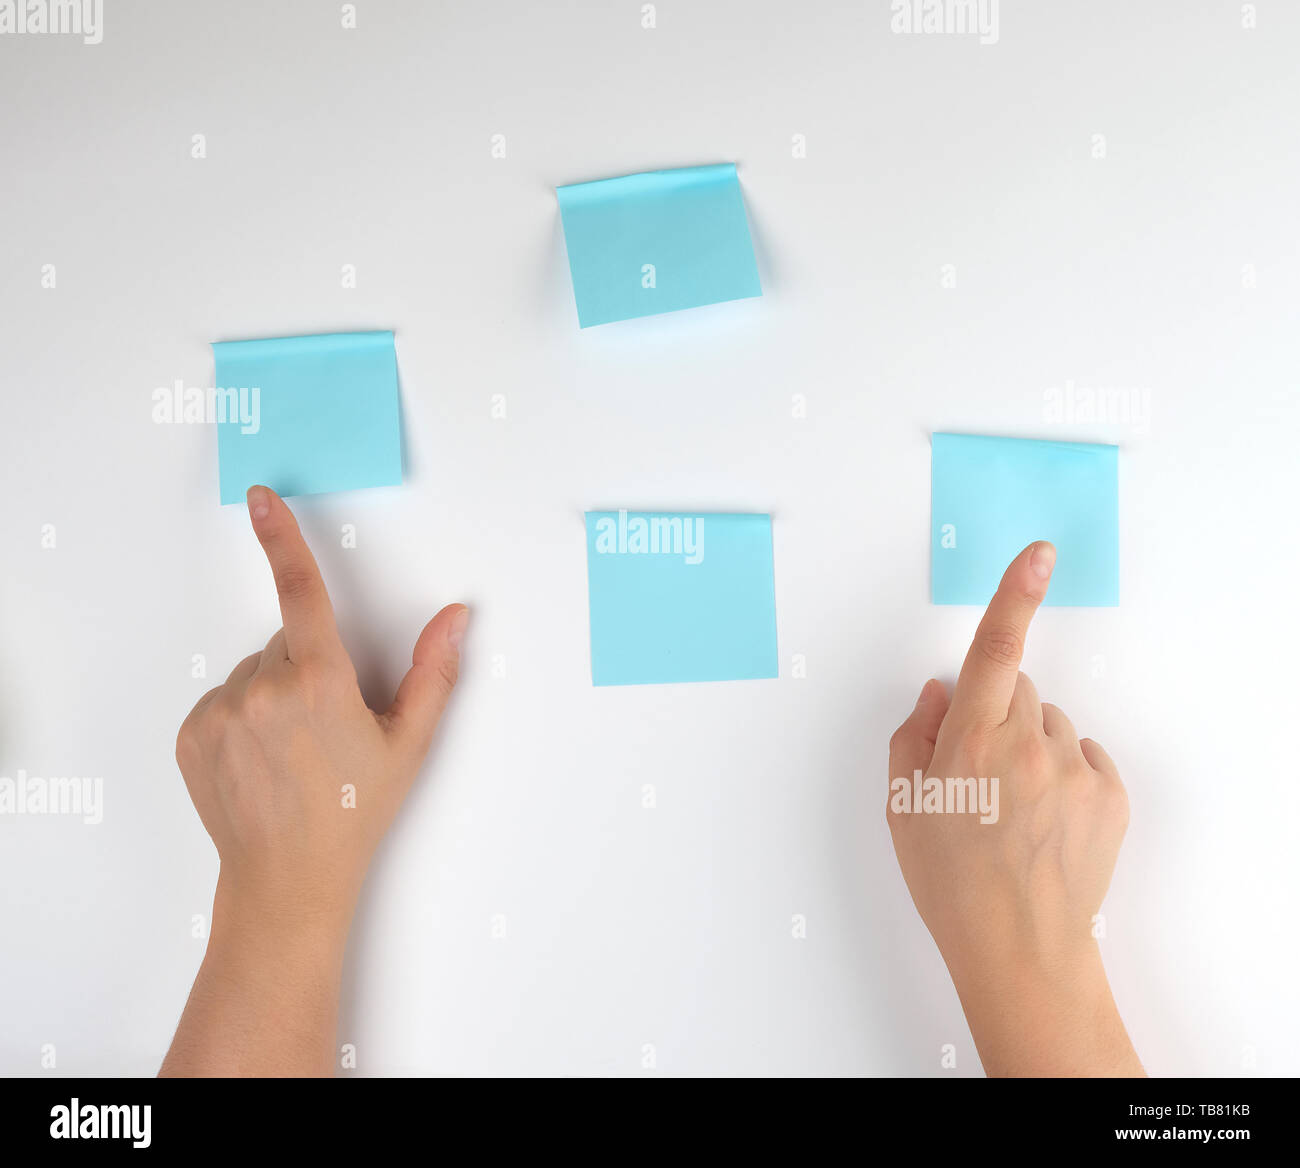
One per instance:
(259,914)
(270,968)
(1057,1018)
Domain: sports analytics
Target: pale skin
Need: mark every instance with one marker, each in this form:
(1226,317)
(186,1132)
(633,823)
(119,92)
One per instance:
(1011,904)
(297,780)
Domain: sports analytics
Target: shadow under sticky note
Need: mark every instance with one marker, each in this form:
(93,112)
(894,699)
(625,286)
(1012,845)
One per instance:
(327,414)
(992,497)
(656,242)
(680,597)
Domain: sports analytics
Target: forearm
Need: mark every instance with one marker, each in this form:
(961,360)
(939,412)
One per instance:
(265,1001)
(1029,1021)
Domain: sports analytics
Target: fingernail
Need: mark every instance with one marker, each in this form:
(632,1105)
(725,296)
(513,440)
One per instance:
(259,502)
(1043,560)
(456,633)
(925,692)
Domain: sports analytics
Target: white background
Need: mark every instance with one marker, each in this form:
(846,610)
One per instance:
(671,926)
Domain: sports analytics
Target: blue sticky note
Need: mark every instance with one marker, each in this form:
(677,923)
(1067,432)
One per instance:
(657,242)
(678,597)
(992,497)
(325,414)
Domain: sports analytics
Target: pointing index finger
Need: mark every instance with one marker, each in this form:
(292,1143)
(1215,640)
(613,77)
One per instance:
(988,676)
(304,604)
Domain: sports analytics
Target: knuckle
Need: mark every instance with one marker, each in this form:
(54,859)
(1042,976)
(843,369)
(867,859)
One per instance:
(448,673)
(1097,758)
(1080,781)
(1117,805)
(1035,756)
(329,680)
(1028,596)
(186,746)
(216,716)
(1002,646)
(260,701)
(295,583)
(338,680)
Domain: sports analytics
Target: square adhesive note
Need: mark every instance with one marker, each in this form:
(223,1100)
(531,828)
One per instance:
(678,597)
(656,242)
(313,414)
(992,497)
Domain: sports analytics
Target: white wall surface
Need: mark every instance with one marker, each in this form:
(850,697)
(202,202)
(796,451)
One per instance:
(671,926)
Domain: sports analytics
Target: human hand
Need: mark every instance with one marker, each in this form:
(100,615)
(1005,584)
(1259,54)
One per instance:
(1011,902)
(295,780)
(294,777)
